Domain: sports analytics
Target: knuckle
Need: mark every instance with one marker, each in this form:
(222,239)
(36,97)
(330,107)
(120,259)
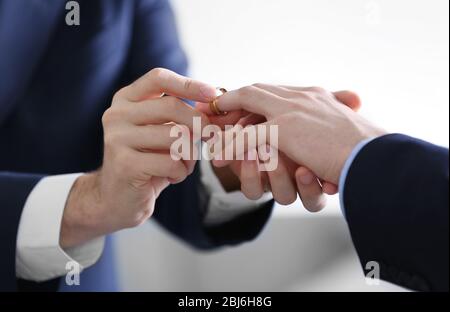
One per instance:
(119,94)
(258,85)
(114,114)
(108,116)
(141,217)
(317,89)
(156,73)
(247,91)
(188,84)
(306,96)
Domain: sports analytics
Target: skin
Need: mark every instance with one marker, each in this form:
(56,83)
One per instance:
(312,122)
(289,178)
(137,165)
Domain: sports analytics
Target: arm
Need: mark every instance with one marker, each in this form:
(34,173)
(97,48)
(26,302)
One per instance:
(31,212)
(39,255)
(396,205)
(396,191)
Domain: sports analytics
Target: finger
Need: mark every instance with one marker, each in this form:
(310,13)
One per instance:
(234,143)
(161,138)
(282,185)
(203,107)
(349,98)
(159,184)
(281,91)
(309,190)
(251,185)
(161,165)
(223,120)
(251,119)
(251,99)
(163,110)
(265,181)
(329,188)
(155,137)
(227,120)
(159,81)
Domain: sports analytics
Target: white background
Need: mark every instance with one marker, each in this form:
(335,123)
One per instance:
(394,53)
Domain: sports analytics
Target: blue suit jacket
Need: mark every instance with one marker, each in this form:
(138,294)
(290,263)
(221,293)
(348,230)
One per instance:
(396,202)
(55,83)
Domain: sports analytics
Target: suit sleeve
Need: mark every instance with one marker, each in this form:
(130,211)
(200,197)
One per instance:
(14,191)
(397,209)
(181,208)
(155,41)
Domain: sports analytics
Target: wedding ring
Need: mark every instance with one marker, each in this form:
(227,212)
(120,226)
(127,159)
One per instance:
(213,104)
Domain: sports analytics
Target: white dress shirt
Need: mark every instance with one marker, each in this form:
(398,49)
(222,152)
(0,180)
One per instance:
(39,257)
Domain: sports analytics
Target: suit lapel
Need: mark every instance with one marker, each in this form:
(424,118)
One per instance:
(26,27)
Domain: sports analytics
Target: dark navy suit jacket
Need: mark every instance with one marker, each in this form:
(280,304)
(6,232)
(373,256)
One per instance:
(55,83)
(396,203)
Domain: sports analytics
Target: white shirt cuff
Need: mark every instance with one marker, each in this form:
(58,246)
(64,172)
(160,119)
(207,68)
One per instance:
(223,206)
(39,256)
(346,169)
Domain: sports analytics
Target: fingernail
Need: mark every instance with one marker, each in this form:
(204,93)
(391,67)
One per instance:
(306,179)
(208,92)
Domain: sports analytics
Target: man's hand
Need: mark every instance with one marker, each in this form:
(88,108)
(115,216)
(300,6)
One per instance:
(137,164)
(288,178)
(315,129)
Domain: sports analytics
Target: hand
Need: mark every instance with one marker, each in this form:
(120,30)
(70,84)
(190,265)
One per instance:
(283,183)
(315,129)
(137,164)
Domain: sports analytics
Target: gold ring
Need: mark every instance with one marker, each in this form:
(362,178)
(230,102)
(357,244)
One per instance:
(213,105)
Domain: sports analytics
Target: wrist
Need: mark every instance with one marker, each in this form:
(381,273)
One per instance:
(82,220)
(369,134)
